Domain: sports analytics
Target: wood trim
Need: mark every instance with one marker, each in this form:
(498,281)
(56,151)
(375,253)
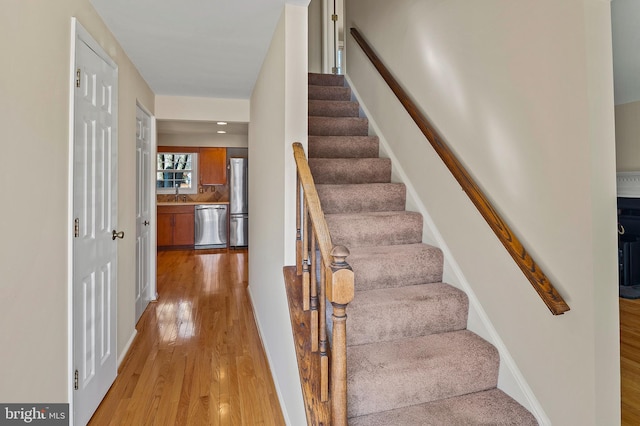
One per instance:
(525,262)
(628,184)
(180,149)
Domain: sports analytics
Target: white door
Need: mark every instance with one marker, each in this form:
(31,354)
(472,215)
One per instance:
(334,36)
(95,239)
(143,211)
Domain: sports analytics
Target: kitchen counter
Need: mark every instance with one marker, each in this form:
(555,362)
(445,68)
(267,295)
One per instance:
(188,203)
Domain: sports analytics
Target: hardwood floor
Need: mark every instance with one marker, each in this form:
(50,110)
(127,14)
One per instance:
(197,358)
(630,360)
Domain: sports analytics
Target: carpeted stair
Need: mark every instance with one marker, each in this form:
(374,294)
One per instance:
(411,360)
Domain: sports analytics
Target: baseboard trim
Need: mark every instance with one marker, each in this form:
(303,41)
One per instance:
(127,346)
(283,406)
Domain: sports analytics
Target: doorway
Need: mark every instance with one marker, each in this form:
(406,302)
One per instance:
(334,36)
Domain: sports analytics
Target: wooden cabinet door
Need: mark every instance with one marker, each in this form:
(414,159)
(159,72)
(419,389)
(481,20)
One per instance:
(183,231)
(213,166)
(165,229)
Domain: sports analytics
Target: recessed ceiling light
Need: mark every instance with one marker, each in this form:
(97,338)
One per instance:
(221,132)
(221,123)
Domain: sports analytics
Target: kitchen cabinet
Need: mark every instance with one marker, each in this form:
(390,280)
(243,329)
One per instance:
(175,226)
(213,166)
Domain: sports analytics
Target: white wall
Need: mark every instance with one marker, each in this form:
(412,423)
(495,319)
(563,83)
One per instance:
(626,58)
(34,89)
(278,118)
(628,137)
(315,35)
(530,113)
(196,139)
(201,109)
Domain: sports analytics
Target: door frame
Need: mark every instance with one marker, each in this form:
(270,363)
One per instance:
(78,34)
(153,290)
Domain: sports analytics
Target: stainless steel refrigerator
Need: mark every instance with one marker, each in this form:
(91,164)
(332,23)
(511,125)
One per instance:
(238,202)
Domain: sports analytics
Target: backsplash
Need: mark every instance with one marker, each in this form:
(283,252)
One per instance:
(212,193)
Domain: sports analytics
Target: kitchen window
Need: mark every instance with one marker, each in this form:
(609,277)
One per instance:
(177,169)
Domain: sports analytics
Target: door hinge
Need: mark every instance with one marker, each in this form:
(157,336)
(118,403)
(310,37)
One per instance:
(75,380)
(334,18)
(76,227)
(78,73)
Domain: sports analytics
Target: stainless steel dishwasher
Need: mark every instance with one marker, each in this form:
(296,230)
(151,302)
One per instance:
(210,226)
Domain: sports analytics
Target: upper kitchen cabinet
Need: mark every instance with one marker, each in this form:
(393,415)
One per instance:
(213,166)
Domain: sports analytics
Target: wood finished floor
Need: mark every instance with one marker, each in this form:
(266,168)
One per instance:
(197,358)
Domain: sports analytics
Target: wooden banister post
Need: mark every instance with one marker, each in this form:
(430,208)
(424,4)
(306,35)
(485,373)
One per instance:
(340,291)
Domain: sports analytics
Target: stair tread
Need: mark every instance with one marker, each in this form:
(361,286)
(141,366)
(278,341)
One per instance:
(404,372)
(343,146)
(361,197)
(490,407)
(323,92)
(382,266)
(386,314)
(350,170)
(331,108)
(375,228)
(338,126)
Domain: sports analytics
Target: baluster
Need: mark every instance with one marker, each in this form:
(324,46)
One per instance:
(298,230)
(324,358)
(305,256)
(314,294)
(340,291)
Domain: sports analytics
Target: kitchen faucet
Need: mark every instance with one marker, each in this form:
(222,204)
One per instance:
(177,192)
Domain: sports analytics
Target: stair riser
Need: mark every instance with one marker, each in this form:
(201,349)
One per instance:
(418,370)
(341,126)
(343,146)
(354,230)
(326,79)
(333,109)
(407,312)
(329,93)
(362,198)
(339,171)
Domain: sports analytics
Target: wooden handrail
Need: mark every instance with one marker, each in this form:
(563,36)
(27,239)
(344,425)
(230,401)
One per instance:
(525,262)
(313,202)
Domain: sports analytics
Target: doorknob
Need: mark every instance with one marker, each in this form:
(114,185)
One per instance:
(115,235)
(146,222)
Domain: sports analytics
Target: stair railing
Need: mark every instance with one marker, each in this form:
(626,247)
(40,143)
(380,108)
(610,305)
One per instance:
(333,277)
(525,262)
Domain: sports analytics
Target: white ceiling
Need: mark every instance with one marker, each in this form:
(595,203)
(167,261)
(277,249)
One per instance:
(215,48)
(205,48)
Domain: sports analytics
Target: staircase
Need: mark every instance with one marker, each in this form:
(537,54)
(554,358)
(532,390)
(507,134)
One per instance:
(411,360)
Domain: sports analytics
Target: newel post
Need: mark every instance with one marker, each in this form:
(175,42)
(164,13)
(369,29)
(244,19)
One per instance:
(340,291)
